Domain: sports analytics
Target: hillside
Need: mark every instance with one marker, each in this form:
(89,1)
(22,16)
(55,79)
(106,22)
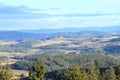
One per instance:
(84,42)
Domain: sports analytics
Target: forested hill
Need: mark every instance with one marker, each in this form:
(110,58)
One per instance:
(46,33)
(15,35)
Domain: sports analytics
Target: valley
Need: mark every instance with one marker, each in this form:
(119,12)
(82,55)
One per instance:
(61,50)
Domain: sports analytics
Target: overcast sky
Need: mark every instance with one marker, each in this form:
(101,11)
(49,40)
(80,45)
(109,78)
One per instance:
(37,14)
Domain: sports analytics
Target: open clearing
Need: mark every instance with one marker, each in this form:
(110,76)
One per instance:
(4,53)
(19,73)
(7,42)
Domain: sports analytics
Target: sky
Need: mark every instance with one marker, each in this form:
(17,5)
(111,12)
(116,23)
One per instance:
(39,14)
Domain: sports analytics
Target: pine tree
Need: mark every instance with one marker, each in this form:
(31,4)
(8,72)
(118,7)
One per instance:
(1,72)
(93,73)
(110,74)
(118,72)
(76,74)
(38,71)
(8,73)
(84,75)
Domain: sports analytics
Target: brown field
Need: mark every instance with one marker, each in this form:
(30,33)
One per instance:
(7,42)
(17,73)
(4,53)
(107,38)
(50,42)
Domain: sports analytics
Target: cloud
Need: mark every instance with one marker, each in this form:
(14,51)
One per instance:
(87,15)
(60,22)
(113,1)
(20,12)
(23,12)
(55,9)
(45,15)
(14,9)
(24,16)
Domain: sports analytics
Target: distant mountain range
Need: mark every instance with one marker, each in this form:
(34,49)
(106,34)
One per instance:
(66,32)
(103,29)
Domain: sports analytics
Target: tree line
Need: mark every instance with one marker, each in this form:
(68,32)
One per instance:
(76,72)
(58,62)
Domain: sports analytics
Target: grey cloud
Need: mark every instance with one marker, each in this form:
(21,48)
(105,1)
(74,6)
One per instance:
(24,16)
(45,15)
(15,9)
(55,9)
(20,12)
(85,15)
(23,12)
